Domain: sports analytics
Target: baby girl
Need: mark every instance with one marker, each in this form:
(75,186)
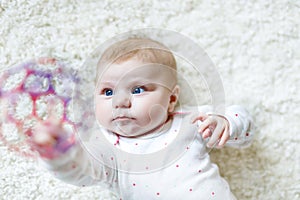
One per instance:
(136,107)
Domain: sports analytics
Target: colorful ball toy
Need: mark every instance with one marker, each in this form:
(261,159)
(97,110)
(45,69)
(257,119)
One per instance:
(29,92)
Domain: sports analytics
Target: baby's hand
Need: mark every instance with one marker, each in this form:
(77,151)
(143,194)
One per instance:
(213,126)
(50,139)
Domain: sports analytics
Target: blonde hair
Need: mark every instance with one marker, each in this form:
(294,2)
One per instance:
(143,49)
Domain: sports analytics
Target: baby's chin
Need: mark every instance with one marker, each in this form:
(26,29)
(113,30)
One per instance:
(138,131)
(131,133)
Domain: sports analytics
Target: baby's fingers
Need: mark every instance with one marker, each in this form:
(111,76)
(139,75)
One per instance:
(207,133)
(224,138)
(208,123)
(215,137)
(42,137)
(214,127)
(201,117)
(51,139)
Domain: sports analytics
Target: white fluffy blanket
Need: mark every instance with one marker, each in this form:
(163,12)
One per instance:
(254,44)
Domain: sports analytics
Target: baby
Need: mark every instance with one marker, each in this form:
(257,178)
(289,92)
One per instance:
(136,107)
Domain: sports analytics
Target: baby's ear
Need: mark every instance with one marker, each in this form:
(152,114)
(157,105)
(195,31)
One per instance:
(174,98)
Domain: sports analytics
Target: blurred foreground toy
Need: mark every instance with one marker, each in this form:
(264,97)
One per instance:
(28,92)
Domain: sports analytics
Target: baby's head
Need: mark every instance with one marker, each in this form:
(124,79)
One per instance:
(142,49)
(136,87)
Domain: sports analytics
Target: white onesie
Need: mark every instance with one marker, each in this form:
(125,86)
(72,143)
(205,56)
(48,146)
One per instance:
(169,165)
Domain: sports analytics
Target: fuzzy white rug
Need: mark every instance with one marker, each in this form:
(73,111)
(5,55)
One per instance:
(254,44)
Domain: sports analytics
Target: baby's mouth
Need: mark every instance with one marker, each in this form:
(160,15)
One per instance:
(123,118)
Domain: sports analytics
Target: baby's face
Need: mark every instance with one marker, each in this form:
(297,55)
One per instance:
(133,98)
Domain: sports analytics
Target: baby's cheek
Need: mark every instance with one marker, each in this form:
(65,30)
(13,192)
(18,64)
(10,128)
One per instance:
(102,114)
(158,114)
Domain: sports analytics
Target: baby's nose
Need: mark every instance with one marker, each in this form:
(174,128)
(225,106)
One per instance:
(121,101)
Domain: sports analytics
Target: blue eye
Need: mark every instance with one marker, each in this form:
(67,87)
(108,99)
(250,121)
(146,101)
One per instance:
(108,92)
(137,90)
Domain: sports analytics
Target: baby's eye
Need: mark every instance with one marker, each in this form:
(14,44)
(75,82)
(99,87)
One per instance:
(138,90)
(107,92)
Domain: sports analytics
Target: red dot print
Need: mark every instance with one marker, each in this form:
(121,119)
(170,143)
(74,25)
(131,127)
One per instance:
(134,184)
(136,144)
(177,165)
(106,173)
(157,193)
(112,158)
(147,168)
(236,114)
(247,134)
(199,170)
(212,193)
(187,148)
(235,138)
(191,189)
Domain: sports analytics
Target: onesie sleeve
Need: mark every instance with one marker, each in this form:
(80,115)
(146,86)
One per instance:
(78,167)
(241,128)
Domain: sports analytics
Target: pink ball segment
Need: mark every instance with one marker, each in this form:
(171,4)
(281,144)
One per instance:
(33,92)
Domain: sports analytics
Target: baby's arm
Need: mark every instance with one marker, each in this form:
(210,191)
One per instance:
(234,128)
(78,168)
(69,162)
(241,127)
